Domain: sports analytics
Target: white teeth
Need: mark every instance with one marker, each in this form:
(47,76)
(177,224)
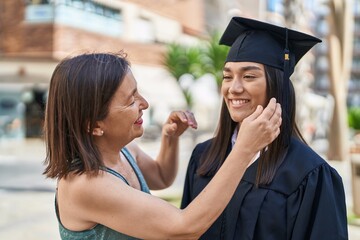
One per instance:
(239,101)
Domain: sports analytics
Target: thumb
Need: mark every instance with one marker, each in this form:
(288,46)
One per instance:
(256,113)
(169,129)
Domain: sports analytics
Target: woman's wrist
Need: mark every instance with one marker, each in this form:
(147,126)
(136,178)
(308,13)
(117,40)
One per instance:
(170,138)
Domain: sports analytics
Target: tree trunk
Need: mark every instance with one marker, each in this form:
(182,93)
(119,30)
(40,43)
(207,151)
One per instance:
(340,47)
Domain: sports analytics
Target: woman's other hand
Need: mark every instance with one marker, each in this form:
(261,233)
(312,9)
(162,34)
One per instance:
(178,122)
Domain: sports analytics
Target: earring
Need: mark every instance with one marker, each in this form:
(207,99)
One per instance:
(98,132)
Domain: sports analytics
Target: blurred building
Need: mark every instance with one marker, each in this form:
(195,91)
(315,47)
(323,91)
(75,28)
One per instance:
(36,34)
(322,83)
(218,12)
(354,85)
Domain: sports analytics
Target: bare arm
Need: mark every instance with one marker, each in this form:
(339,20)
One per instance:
(135,213)
(161,172)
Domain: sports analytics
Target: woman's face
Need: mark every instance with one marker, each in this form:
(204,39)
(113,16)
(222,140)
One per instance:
(123,122)
(243,88)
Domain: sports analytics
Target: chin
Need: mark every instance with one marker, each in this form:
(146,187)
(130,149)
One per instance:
(139,134)
(238,118)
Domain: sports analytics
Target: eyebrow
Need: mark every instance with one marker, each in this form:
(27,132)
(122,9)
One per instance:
(246,68)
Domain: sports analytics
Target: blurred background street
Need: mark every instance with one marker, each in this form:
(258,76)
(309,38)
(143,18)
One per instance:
(176,59)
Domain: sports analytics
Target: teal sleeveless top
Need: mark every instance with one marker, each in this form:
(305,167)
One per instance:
(101,232)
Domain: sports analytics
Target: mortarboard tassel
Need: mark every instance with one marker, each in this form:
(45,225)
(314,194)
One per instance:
(285,94)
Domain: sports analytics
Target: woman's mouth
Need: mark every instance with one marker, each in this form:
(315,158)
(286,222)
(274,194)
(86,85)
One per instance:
(139,121)
(238,102)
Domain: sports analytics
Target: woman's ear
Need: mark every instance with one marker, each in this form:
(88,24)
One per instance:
(96,131)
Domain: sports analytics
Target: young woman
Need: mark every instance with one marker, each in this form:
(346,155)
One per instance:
(93,114)
(288,191)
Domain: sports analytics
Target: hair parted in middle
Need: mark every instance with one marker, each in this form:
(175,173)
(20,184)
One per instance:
(81,90)
(270,159)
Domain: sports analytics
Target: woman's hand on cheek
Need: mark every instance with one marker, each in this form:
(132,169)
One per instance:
(261,127)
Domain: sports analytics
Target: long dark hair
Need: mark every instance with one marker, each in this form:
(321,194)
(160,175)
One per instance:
(80,93)
(269,160)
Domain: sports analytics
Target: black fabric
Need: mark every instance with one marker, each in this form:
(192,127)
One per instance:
(305,201)
(255,41)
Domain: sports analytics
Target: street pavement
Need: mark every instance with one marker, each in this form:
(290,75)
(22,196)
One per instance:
(27,197)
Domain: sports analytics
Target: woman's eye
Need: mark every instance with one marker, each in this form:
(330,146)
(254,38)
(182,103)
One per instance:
(249,76)
(134,99)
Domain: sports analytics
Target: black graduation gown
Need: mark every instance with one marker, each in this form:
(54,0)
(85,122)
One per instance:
(306,200)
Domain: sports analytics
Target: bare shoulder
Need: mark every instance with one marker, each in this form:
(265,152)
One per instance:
(83,189)
(84,185)
(86,200)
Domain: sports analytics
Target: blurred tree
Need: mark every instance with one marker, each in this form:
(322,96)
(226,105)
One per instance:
(207,57)
(180,60)
(340,46)
(215,56)
(354,118)
(176,61)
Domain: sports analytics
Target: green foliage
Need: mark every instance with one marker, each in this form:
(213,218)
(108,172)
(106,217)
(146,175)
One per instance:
(180,60)
(354,118)
(215,56)
(208,57)
(176,60)
(188,98)
(195,61)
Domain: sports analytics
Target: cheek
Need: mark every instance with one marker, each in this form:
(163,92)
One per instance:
(264,98)
(224,89)
(261,97)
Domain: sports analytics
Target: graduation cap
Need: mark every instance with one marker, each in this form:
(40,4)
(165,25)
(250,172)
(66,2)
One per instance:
(255,41)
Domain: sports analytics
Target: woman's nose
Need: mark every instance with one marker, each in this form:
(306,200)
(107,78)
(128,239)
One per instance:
(236,87)
(143,103)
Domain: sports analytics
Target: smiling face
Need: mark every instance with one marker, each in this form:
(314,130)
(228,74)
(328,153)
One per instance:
(243,88)
(123,121)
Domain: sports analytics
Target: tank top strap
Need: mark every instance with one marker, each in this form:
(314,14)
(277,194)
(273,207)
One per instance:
(131,160)
(128,156)
(116,174)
